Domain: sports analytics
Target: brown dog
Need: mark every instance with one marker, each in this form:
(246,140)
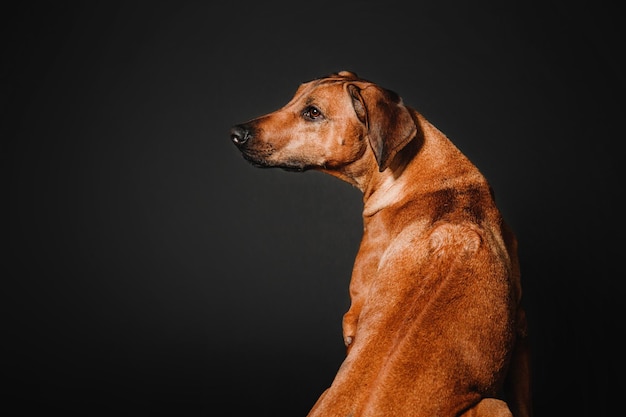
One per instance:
(435,326)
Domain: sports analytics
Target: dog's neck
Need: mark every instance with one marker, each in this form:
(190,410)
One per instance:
(434,162)
(381,189)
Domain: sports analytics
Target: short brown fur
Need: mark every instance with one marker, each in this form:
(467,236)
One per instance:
(435,326)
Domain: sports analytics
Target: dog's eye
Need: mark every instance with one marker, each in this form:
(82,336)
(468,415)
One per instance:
(312,113)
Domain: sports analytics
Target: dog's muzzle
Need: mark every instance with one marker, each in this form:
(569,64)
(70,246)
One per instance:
(240,134)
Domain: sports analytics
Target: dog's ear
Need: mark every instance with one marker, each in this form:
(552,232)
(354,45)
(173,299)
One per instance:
(389,124)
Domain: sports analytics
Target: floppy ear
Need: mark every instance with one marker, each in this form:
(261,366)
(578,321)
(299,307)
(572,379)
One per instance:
(389,124)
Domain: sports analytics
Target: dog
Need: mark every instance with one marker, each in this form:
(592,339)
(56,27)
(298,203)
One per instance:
(435,326)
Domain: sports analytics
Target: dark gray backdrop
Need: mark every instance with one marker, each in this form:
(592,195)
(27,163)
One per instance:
(150,270)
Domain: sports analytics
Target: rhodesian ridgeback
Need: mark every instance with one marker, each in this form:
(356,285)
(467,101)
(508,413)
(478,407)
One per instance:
(435,325)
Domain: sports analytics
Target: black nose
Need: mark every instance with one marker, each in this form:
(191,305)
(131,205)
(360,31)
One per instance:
(240,134)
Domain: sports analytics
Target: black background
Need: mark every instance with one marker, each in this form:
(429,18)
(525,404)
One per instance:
(150,270)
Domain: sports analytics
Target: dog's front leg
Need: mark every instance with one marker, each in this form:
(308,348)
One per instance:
(365,264)
(349,324)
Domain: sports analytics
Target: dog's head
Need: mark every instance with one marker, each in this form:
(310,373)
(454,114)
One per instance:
(329,124)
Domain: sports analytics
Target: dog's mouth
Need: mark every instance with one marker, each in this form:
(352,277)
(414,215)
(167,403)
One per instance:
(263,154)
(287,166)
(255,160)
(261,160)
